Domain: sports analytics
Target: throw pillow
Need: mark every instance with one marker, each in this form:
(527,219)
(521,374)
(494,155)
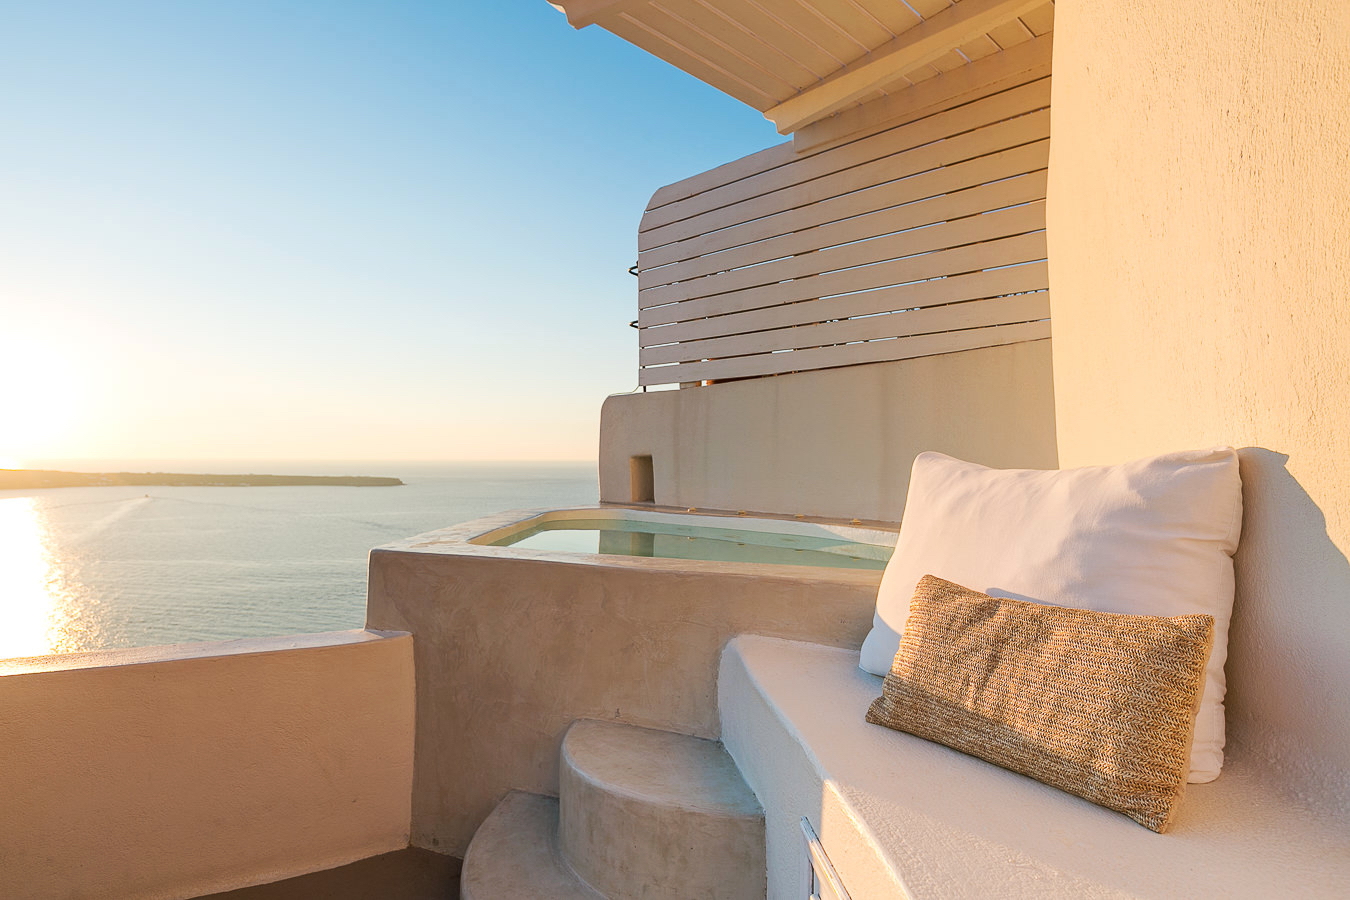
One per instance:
(1151,537)
(1100,705)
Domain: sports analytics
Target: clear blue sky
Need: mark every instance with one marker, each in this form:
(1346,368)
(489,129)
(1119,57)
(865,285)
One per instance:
(328,230)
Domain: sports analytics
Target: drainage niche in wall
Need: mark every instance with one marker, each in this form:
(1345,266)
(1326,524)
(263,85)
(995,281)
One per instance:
(642,484)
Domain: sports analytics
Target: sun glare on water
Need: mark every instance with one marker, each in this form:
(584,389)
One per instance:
(32,618)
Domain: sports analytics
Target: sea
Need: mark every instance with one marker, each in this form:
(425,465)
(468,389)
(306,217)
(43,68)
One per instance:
(112,567)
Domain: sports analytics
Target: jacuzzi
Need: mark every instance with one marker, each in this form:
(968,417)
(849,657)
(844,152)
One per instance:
(624,531)
(513,642)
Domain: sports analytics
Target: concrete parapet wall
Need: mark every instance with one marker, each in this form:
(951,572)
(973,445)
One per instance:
(187,770)
(837,442)
(512,646)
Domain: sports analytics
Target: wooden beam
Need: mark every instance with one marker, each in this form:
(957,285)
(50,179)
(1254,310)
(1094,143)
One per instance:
(921,44)
(581,13)
(985,76)
(846,355)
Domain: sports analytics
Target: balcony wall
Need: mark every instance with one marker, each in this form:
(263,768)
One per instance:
(837,442)
(1199,207)
(186,770)
(513,645)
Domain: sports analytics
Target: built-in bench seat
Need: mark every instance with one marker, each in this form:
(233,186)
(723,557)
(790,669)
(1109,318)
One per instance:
(902,817)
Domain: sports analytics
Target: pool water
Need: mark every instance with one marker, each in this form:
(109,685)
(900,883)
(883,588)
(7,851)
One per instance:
(670,540)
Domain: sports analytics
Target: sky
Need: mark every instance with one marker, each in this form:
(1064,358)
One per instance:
(327,230)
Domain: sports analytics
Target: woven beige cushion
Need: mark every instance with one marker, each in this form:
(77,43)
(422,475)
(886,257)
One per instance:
(1101,705)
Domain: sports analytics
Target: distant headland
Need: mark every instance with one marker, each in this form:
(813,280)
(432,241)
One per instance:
(24,479)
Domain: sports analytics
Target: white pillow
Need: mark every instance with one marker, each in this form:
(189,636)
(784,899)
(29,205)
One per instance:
(1152,537)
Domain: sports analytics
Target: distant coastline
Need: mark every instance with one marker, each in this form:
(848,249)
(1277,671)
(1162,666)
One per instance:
(24,479)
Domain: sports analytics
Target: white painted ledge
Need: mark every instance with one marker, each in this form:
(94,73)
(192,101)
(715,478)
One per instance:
(901,817)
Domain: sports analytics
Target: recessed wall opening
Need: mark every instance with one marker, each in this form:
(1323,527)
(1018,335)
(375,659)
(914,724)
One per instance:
(642,483)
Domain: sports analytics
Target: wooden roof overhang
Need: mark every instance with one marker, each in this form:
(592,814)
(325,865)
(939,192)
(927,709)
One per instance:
(805,62)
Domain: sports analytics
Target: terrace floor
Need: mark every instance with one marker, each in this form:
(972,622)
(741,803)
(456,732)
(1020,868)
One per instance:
(410,874)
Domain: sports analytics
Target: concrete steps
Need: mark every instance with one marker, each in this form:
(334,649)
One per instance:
(514,855)
(642,815)
(654,815)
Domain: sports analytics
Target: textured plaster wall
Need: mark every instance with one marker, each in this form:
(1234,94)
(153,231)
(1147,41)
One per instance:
(138,774)
(837,442)
(1199,228)
(512,646)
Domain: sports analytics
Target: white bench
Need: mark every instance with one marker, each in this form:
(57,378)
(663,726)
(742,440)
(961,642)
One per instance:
(900,817)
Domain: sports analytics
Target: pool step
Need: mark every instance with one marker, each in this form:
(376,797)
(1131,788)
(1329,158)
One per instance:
(656,815)
(514,855)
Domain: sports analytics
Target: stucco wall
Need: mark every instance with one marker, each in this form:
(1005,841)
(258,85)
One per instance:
(837,442)
(180,771)
(1199,227)
(514,645)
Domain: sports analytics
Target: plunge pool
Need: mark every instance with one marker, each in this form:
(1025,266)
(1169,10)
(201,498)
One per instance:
(631,532)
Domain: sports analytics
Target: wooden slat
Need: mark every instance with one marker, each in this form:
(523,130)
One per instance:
(753,45)
(924,73)
(929,8)
(848,18)
(974,82)
(1011,34)
(846,355)
(857,258)
(957,260)
(895,17)
(993,74)
(635,33)
(1040,20)
(1012,133)
(713,49)
(939,291)
(922,44)
(1017,132)
(979,48)
(762,161)
(948,61)
(866,227)
(946,124)
(772,31)
(957,316)
(949,124)
(794,15)
(957,176)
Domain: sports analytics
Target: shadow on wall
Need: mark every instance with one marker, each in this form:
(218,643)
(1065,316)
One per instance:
(1289,644)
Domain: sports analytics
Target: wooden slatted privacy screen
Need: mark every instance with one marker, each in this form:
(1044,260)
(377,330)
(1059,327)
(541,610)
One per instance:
(926,238)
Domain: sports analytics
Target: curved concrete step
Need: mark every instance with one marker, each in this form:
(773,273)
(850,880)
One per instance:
(658,816)
(514,855)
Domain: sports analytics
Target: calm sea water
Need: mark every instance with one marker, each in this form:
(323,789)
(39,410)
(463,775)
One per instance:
(92,568)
